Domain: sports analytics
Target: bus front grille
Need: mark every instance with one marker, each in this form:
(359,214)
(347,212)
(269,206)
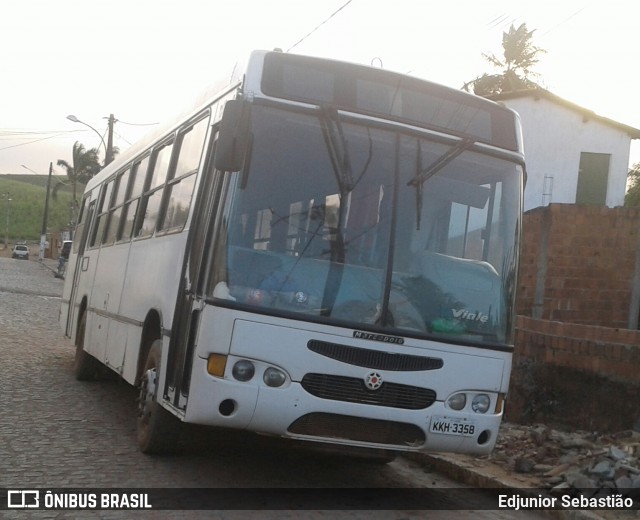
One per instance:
(353,390)
(359,429)
(374,359)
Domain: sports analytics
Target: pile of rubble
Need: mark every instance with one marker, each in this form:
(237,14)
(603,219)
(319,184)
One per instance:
(561,461)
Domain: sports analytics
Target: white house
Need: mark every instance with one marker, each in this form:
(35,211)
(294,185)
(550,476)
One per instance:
(573,155)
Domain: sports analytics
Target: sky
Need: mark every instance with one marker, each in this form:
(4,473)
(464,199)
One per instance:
(145,60)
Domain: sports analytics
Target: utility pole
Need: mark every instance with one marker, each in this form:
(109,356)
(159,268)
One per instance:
(7,199)
(108,156)
(45,217)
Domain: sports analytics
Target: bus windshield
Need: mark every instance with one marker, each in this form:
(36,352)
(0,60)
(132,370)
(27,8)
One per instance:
(371,227)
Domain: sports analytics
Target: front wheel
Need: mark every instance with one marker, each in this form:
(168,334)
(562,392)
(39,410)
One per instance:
(157,429)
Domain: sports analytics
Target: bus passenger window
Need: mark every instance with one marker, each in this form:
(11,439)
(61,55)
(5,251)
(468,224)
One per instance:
(152,198)
(115,213)
(161,166)
(103,213)
(179,200)
(181,183)
(151,212)
(134,191)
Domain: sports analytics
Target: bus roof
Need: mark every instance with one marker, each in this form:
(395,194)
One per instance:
(353,87)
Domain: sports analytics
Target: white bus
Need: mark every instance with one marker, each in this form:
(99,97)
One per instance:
(322,251)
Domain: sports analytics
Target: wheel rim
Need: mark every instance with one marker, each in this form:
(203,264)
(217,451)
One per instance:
(147,394)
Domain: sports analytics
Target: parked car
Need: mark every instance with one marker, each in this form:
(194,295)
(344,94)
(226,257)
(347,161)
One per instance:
(20,251)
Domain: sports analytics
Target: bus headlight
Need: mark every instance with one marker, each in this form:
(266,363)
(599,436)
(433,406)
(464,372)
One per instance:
(243,370)
(457,401)
(274,377)
(480,403)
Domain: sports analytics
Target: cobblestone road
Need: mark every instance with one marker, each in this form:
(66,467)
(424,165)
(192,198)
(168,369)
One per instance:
(57,432)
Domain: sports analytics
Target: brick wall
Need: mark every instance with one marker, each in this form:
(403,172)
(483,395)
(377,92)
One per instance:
(577,355)
(579,264)
(608,352)
(574,375)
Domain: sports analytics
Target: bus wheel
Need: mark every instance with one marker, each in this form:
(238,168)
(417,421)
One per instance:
(85,366)
(157,429)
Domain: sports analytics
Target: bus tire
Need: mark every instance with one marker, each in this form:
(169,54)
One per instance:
(157,429)
(85,366)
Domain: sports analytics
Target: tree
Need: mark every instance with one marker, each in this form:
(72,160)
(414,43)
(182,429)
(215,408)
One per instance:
(519,56)
(632,198)
(84,165)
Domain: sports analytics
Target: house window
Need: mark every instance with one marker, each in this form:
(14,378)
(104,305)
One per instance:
(593,177)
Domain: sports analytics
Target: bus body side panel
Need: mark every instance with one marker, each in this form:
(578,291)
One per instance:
(86,288)
(107,341)
(149,284)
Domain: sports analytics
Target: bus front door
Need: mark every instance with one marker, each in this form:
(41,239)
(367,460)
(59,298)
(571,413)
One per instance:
(81,266)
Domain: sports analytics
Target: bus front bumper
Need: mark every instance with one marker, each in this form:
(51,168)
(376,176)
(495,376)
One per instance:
(291,412)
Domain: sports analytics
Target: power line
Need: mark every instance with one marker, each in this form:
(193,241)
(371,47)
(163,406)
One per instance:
(564,21)
(25,134)
(121,137)
(137,124)
(32,142)
(320,25)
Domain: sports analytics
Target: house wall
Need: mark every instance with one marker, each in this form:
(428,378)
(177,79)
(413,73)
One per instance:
(554,137)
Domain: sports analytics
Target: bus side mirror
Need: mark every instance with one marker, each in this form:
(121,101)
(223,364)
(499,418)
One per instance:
(233,136)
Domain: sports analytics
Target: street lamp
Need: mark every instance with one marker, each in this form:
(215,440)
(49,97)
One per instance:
(108,154)
(73,118)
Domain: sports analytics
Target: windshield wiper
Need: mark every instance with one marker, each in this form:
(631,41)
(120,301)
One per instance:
(338,149)
(423,175)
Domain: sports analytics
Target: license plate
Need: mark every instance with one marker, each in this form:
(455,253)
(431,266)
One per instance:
(449,426)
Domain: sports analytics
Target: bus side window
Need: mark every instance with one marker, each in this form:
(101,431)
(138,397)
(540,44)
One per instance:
(115,212)
(103,213)
(132,198)
(150,208)
(81,224)
(179,189)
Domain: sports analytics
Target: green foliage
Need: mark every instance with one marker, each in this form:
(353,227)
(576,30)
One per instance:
(632,198)
(519,56)
(26,208)
(84,165)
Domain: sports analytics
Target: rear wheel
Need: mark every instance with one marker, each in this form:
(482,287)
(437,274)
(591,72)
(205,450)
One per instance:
(157,429)
(85,366)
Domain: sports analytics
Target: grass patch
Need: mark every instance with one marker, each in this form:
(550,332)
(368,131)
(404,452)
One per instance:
(25,210)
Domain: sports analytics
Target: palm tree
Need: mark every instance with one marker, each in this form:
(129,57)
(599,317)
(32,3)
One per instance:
(84,165)
(520,55)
